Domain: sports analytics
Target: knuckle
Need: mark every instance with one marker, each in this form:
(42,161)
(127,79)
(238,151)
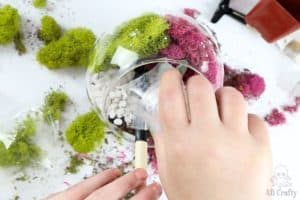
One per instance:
(131,182)
(232,95)
(199,82)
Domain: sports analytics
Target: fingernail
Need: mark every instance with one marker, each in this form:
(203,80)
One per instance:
(141,174)
(157,189)
(117,172)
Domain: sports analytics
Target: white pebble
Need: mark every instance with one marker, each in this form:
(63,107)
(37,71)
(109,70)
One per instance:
(120,112)
(118,122)
(122,104)
(128,120)
(112,115)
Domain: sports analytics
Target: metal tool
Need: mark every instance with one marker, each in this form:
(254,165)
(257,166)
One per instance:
(224,9)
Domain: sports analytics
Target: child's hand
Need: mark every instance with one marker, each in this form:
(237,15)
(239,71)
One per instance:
(110,185)
(222,153)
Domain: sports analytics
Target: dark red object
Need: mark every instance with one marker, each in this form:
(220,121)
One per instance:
(275,118)
(275,19)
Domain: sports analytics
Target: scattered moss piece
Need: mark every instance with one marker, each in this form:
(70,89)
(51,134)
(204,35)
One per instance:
(19,45)
(39,3)
(85,132)
(145,35)
(10,24)
(17,197)
(75,163)
(72,49)
(50,30)
(22,178)
(54,104)
(22,151)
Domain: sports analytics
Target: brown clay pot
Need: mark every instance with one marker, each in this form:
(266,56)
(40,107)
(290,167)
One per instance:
(275,19)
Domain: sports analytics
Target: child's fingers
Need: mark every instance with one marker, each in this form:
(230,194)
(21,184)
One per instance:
(84,189)
(120,187)
(232,109)
(258,128)
(151,192)
(172,109)
(202,101)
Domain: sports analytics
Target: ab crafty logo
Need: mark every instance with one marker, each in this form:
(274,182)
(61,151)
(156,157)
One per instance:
(282,185)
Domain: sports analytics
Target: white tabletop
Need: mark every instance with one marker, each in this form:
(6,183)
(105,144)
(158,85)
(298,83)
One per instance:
(23,82)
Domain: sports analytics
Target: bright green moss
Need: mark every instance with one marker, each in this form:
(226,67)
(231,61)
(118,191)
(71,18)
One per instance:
(22,151)
(85,132)
(146,35)
(50,30)
(10,24)
(72,49)
(54,104)
(75,163)
(10,28)
(39,3)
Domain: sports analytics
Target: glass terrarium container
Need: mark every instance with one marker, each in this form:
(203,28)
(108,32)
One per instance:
(126,66)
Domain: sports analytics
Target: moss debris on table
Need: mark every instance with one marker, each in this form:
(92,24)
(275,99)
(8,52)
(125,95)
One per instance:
(75,163)
(54,104)
(22,151)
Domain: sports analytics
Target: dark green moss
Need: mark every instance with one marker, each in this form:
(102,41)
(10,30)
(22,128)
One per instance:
(19,45)
(75,163)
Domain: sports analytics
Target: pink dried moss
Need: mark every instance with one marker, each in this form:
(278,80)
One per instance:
(192,44)
(275,118)
(249,84)
(292,108)
(194,13)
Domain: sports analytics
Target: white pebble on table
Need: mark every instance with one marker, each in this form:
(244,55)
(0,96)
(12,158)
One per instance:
(118,122)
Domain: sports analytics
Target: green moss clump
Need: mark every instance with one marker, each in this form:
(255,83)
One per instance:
(22,151)
(54,104)
(72,49)
(85,132)
(50,30)
(145,35)
(39,3)
(10,24)
(10,28)
(75,163)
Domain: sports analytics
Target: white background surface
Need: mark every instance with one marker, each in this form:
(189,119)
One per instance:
(23,82)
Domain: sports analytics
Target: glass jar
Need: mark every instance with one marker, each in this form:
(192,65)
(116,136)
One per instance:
(126,66)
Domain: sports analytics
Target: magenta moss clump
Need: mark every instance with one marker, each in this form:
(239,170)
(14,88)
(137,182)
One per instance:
(191,43)
(194,13)
(275,118)
(290,108)
(251,85)
(297,100)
